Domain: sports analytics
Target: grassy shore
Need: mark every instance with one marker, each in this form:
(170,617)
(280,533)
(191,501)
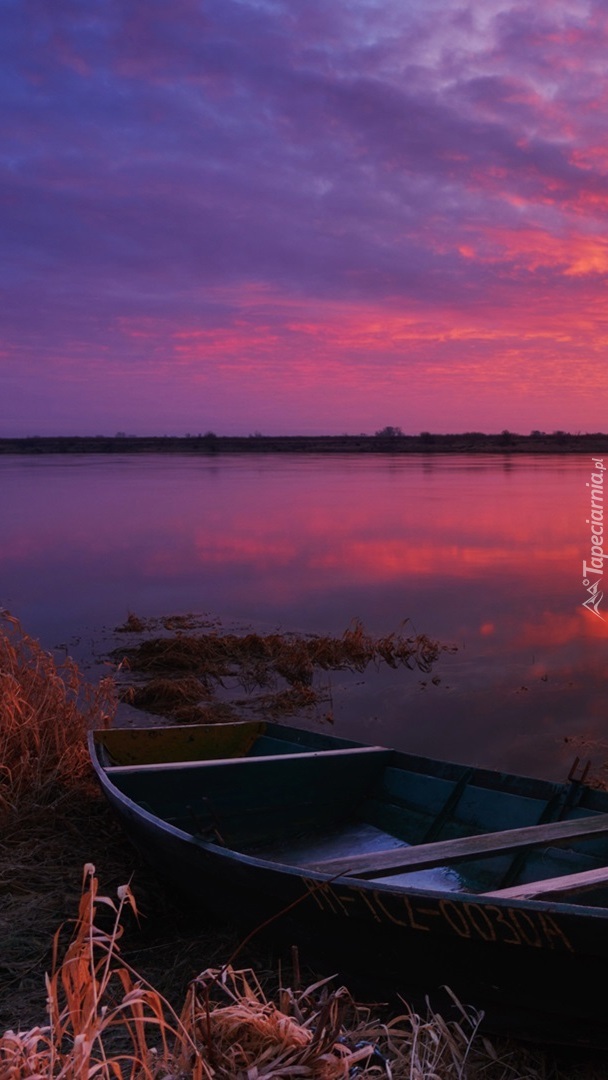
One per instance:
(136,985)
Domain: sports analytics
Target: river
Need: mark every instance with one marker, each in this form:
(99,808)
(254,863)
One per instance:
(482,552)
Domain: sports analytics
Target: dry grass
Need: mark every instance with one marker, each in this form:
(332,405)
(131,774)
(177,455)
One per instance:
(163,695)
(134,624)
(185,668)
(51,814)
(214,655)
(53,819)
(45,709)
(104,1020)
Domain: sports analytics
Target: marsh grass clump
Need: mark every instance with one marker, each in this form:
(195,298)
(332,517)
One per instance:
(133,625)
(195,666)
(51,813)
(257,656)
(45,710)
(164,694)
(103,1020)
(54,819)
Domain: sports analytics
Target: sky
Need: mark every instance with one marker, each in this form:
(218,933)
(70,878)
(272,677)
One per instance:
(303,216)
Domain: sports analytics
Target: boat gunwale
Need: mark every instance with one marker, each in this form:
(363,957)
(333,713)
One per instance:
(491,779)
(559,907)
(172,766)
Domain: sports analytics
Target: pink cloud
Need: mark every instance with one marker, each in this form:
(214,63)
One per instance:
(373,200)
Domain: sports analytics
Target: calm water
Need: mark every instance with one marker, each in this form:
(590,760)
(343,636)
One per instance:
(481,552)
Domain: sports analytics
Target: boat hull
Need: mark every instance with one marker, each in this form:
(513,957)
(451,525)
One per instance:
(533,974)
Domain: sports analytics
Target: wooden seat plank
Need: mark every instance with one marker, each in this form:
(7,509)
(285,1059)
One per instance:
(587,879)
(440,853)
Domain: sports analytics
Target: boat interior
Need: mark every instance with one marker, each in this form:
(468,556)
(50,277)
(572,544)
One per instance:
(371,813)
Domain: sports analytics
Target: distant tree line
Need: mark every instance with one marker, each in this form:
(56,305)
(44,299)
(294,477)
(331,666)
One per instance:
(389,439)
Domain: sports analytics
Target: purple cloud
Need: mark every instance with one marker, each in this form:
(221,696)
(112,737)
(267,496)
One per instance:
(441,161)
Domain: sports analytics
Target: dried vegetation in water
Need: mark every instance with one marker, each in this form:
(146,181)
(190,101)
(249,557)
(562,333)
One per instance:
(186,670)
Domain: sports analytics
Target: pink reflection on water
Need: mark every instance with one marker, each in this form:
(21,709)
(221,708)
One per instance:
(482,552)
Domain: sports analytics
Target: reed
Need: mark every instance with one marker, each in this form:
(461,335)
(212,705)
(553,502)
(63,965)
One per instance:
(106,1021)
(186,667)
(45,710)
(103,1020)
(214,655)
(164,694)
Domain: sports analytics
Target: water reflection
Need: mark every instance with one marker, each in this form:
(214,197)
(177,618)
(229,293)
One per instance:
(484,552)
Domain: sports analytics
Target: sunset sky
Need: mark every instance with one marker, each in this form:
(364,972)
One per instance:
(303,216)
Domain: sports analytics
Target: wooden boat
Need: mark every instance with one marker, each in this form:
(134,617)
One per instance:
(410,873)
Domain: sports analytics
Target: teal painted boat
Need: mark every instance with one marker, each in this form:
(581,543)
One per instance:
(409,874)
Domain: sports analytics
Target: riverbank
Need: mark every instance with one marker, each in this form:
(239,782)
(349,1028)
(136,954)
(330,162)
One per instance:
(55,822)
(210,444)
